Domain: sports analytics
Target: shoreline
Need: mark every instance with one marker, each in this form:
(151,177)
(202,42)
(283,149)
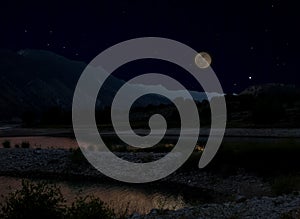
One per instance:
(204,132)
(44,163)
(233,194)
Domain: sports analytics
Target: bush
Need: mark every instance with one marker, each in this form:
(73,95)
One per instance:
(25,144)
(40,200)
(33,201)
(77,156)
(89,208)
(6,144)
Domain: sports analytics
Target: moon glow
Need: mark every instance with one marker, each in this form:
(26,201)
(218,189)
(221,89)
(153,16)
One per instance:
(203,60)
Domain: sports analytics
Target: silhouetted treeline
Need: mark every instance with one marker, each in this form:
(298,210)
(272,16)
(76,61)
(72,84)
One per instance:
(242,111)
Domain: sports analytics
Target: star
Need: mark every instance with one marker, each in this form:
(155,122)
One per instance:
(48,44)
(25,31)
(250,77)
(63,47)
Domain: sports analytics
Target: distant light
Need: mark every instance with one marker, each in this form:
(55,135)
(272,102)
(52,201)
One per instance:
(250,78)
(25,31)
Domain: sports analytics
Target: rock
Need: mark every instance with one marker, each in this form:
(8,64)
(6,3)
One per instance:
(265,207)
(37,152)
(153,211)
(135,215)
(240,198)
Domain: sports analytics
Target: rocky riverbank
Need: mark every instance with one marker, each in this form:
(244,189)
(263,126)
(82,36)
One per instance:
(280,207)
(60,162)
(239,195)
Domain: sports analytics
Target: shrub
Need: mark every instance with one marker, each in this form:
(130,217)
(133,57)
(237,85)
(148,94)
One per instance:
(25,144)
(147,158)
(77,157)
(89,207)
(33,201)
(41,200)
(6,144)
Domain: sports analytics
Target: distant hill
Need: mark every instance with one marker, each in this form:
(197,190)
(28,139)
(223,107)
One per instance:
(266,105)
(33,80)
(41,84)
(272,89)
(36,80)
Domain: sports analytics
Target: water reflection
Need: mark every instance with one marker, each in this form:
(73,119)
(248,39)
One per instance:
(140,200)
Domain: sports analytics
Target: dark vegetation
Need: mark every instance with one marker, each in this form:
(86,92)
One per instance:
(280,157)
(242,111)
(273,109)
(277,162)
(24,144)
(77,157)
(262,111)
(42,200)
(267,159)
(6,144)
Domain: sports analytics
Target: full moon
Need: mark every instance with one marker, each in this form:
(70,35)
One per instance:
(203,60)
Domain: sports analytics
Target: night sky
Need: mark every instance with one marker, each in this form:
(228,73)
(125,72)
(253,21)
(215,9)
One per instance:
(250,42)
